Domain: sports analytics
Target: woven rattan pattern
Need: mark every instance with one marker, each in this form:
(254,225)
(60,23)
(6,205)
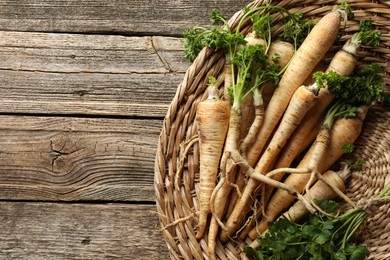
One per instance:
(175,202)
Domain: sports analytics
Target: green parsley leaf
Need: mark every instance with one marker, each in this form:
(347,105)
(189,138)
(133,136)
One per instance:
(367,35)
(347,8)
(217,17)
(348,148)
(296,29)
(262,25)
(319,237)
(363,87)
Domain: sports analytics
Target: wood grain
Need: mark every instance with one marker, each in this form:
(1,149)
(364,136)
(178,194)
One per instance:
(73,159)
(89,74)
(165,17)
(79,231)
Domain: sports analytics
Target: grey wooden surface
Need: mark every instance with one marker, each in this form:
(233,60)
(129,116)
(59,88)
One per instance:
(85,86)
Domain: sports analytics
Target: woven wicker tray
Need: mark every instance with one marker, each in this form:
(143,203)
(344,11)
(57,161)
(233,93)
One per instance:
(373,145)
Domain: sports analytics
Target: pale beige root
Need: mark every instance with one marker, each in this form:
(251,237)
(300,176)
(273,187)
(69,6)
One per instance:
(342,63)
(344,131)
(285,51)
(258,212)
(256,124)
(311,52)
(320,147)
(231,142)
(302,100)
(248,115)
(227,70)
(220,194)
(336,190)
(212,120)
(287,156)
(320,191)
(240,178)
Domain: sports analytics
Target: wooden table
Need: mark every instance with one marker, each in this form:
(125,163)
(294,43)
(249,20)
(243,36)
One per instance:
(85,86)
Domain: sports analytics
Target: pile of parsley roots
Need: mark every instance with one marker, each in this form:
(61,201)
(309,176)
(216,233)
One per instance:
(276,132)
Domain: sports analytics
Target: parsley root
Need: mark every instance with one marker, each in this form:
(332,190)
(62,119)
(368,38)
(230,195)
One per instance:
(302,100)
(311,52)
(319,192)
(344,131)
(343,63)
(212,120)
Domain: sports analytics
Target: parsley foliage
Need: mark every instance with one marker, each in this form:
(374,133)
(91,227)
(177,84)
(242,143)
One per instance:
(363,87)
(319,237)
(367,35)
(296,29)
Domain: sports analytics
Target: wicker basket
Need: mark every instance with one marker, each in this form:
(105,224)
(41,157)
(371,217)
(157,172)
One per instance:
(373,145)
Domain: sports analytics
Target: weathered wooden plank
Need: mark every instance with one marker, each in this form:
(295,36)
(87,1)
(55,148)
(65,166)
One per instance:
(80,231)
(147,95)
(53,52)
(154,17)
(89,74)
(69,159)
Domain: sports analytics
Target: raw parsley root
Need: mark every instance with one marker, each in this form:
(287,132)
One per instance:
(343,63)
(320,191)
(242,61)
(362,88)
(316,44)
(264,77)
(312,50)
(246,60)
(212,119)
(302,100)
(344,131)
